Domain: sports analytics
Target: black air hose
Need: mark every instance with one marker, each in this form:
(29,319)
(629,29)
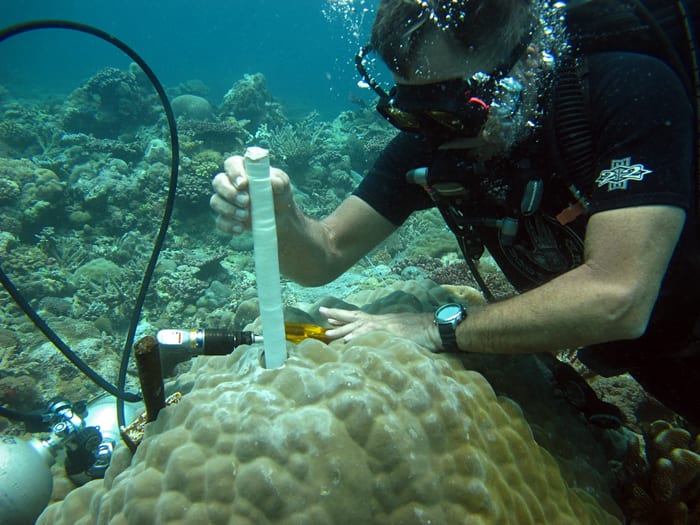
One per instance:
(118,390)
(573,129)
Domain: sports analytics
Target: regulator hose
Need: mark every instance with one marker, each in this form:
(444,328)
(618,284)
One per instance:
(118,390)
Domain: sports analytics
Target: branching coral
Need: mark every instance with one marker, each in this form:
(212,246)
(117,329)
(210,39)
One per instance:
(361,134)
(659,482)
(105,288)
(295,144)
(64,250)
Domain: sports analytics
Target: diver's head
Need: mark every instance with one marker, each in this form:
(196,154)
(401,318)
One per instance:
(422,39)
(463,68)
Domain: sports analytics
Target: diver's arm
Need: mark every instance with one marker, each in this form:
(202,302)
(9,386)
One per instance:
(608,297)
(311,252)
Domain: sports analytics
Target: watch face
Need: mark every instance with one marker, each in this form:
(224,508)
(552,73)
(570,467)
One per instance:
(449,312)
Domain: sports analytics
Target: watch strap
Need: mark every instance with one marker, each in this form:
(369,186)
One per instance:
(448,336)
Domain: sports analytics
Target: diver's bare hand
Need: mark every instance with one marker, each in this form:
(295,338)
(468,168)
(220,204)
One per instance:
(231,200)
(348,324)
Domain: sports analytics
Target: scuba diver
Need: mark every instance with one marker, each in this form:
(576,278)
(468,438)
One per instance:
(574,166)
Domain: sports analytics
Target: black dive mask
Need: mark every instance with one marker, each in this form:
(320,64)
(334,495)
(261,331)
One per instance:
(453,108)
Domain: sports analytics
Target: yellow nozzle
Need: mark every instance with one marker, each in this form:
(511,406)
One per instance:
(297,332)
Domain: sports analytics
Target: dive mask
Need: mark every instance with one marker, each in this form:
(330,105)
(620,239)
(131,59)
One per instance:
(455,107)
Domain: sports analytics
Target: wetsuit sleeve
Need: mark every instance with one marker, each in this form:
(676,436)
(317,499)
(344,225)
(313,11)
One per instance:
(643,133)
(385,187)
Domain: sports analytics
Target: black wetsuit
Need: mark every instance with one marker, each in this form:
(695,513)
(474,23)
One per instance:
(643,154)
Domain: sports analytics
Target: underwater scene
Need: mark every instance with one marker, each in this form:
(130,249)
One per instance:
(107,238)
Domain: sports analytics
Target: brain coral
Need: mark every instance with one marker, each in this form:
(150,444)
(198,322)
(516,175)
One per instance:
(376,431)
(192,107)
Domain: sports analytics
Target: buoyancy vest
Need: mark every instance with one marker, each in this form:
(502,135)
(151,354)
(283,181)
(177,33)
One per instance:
(656,27)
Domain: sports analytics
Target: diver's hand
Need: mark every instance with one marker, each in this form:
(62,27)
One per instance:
(347,324)
(231,200)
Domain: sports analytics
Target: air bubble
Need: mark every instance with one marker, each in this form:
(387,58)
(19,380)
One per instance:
(547,60)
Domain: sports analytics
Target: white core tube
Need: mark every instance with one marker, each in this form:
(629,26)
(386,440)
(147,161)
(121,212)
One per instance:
(267,270)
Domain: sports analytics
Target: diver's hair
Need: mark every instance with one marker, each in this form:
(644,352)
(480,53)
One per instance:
(490,27)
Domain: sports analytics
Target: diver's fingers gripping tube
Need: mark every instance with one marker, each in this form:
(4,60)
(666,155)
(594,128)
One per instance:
(267,273)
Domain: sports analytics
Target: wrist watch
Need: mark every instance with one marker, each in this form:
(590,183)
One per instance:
(447,317)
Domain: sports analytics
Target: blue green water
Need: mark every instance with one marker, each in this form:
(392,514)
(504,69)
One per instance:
(306,56)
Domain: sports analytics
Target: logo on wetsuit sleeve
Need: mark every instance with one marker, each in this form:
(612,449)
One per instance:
(620,173)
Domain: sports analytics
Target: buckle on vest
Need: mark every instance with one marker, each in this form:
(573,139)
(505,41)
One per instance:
(570,213)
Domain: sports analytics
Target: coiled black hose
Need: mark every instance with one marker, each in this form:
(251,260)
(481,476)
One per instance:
(118,390)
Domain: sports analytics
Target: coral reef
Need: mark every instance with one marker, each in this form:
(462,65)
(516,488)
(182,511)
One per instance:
(380,432)
(19,391)
(294,145)
(361,134)
(35,195)
(227,135)
(157,151)
(249,99)
(26,129)
(73,148)
(35,372)
(112,102)
(40,198)
(192,107)
(659,481)
(194,184)
(184,280)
